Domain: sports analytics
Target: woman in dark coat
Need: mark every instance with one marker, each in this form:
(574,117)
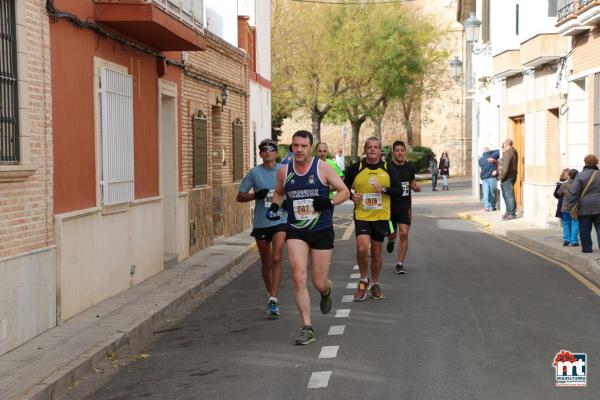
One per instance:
(564,176)
(589,204)
(445,170)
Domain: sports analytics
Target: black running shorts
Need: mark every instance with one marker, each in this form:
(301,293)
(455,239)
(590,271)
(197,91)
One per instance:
(318,240)
(403,215)
(267,233)
(377,230)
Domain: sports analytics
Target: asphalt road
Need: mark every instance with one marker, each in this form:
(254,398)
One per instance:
(474,318)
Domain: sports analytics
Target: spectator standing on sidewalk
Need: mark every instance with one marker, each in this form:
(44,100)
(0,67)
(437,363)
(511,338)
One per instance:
(589,202)
(508,176)
(564,176)
(489,182)
(570,224)
(433,166)
(269,235)
(445,170)
(339,159)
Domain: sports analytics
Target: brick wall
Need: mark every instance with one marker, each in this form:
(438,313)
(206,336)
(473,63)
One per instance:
(26,206)
(213,209)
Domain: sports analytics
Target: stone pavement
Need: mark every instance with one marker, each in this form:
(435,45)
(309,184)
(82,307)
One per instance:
(547,242)
(48,364)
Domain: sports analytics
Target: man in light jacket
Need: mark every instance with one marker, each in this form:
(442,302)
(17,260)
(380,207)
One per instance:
(508,176)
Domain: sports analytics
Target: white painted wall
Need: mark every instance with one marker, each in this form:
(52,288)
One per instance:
(259,12)
(533,20)
(96,251)
(221,19)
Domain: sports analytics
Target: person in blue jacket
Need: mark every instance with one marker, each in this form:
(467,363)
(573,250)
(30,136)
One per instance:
(488,163)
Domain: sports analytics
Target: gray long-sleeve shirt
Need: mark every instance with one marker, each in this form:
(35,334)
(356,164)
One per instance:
(590,203)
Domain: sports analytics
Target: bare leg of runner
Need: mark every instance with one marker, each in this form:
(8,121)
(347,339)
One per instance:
(298,256)
(362,255)
(321,260)
(264,250)
(278,242)
(403,246)
(375,260)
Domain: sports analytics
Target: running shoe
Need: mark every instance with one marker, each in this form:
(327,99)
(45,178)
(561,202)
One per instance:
(390,246)
(272,308)
(306,336)
(376,292)
(361,291)
(400,269)
(327,301)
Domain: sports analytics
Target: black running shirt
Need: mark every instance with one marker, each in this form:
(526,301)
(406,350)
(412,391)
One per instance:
(400,176)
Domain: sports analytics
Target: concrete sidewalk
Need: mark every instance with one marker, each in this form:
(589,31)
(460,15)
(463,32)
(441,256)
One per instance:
(548,242)
(48,364)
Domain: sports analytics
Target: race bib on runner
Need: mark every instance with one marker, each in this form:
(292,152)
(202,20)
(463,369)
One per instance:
(269,198)
(372,201)
(303,210)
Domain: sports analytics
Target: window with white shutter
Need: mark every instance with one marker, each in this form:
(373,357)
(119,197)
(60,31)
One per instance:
(116,119)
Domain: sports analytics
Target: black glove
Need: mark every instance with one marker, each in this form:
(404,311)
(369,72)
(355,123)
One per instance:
(272,212)
(321,203)
(261,194)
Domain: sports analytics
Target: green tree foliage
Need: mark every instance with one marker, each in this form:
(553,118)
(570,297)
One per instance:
(348,62)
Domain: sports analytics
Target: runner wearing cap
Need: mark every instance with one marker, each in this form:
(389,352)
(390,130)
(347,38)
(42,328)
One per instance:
(305,182)
(269,235)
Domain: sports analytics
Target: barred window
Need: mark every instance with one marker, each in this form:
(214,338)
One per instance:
(9,104)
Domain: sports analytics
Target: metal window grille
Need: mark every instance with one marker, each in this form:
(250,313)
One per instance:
(9,101)
(238,150)
(116,95)
(200,131)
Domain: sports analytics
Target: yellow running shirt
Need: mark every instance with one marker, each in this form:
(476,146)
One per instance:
(374,206)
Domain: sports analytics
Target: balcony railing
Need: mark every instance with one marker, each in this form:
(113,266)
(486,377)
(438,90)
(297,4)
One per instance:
(190,12)
(584,3)
(566,11)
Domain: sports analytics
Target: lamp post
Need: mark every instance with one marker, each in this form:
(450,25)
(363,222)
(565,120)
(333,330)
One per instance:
(456,68)
(472,27)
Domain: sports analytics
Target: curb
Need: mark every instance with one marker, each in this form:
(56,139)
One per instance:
(58,381)
(583,265)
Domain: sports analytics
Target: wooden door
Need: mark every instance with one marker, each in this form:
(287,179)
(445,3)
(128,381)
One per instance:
(519,145)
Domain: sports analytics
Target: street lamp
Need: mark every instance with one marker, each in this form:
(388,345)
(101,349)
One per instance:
(472,29)
(456,68)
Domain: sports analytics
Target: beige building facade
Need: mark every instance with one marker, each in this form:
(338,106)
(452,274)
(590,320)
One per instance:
(536,85)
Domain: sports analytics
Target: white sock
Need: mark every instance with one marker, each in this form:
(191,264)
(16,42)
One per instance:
(365,280)
(399,263)
(273,298)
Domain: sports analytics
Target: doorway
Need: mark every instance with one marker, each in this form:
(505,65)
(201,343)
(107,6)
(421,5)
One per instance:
(168,176)
(519,145)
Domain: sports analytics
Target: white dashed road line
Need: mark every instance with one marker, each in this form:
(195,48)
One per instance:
(329,351)
(342,313)
(319,380)
(355,276)
(355,268)
(336,330)
(349,298)
(352,285)
(348,232)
